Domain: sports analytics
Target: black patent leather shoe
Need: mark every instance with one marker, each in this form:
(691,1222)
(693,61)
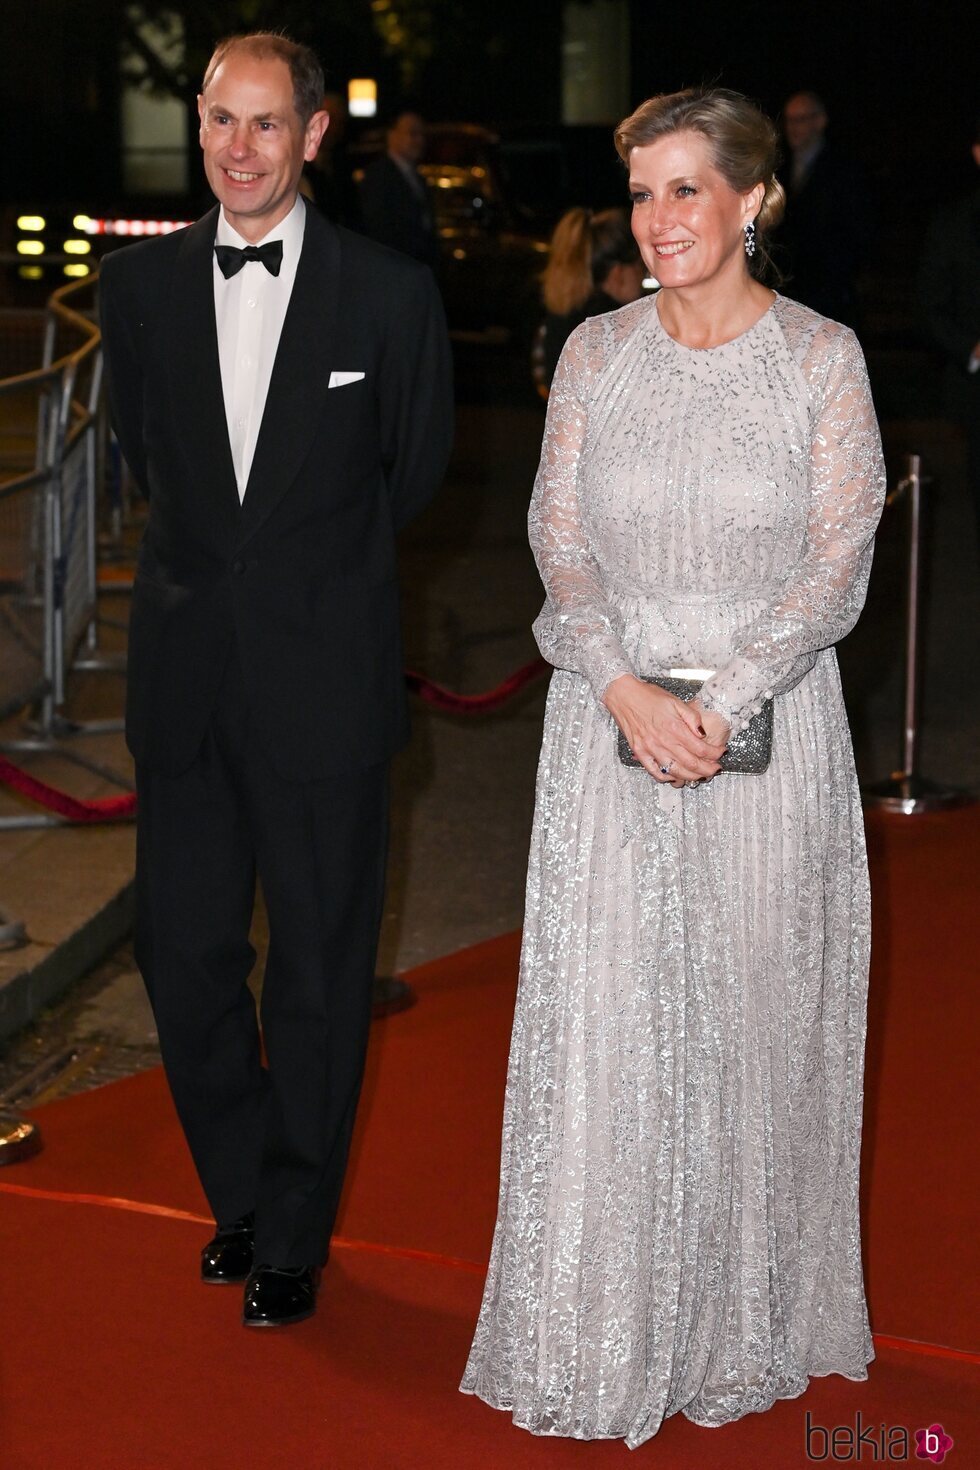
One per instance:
(276,1296)
(229,1257)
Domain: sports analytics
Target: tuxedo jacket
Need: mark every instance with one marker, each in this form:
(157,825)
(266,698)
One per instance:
(393,214)
(299,577)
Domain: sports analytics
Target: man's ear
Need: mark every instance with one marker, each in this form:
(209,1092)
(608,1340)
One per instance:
(315,129)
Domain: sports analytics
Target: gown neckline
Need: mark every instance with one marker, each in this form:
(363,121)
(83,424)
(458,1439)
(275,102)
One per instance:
(739,337)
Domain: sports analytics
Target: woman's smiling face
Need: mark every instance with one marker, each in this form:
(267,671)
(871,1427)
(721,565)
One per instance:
(687,220)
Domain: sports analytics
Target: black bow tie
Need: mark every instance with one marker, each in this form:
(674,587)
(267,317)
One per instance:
(231,259)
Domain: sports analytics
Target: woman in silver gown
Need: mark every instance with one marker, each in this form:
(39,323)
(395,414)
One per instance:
(678,1224)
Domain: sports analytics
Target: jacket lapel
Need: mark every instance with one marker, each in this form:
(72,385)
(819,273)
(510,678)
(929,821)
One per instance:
(195,369)
(300,377)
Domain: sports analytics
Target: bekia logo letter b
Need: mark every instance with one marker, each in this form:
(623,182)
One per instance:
(932,1444)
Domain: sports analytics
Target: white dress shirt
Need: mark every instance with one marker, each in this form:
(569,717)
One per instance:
(249,311)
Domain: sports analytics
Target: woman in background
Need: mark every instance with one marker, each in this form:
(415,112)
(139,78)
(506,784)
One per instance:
(593,266)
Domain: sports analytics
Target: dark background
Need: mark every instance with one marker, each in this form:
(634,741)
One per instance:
(900,80)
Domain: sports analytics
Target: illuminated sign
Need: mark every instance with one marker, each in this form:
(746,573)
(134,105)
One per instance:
(362,97)
(134,227)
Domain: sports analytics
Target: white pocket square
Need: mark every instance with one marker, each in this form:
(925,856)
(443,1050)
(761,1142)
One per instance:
(340,380)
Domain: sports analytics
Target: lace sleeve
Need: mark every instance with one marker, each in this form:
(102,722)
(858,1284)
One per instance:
(823,598)
(578,628)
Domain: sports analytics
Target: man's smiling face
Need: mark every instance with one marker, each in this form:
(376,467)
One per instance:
(254,141)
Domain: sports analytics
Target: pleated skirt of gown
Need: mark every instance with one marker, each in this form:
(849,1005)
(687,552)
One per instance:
(678,1226)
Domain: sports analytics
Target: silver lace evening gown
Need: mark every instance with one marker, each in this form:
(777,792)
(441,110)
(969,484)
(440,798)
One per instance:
(678,1224)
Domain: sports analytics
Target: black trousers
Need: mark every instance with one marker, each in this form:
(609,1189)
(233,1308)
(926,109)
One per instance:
(271,1138)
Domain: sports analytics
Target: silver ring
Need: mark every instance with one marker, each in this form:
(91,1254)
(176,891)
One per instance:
(665,770)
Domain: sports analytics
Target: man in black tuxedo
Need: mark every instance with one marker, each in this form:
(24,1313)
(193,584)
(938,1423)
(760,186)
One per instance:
(282,391)
(394,197)
(949,301)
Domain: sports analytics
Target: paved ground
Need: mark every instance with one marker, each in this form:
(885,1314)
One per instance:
(463,791)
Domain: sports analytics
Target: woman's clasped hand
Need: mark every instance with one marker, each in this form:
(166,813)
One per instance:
(678,743)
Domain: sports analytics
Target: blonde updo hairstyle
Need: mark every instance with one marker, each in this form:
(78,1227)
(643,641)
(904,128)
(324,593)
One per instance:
(744,147)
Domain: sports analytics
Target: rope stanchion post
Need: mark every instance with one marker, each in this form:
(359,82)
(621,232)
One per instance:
(905,790)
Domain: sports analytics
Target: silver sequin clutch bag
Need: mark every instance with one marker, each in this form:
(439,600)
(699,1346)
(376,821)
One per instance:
(749,751)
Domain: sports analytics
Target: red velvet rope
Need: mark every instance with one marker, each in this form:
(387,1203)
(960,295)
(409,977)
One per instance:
(105,809)
(474,704)
(119,808)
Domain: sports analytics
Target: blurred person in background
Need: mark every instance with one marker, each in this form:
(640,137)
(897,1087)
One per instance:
(949,302)
(394,197)
(678,1227)
(827,225)
(593,266)
(327,181)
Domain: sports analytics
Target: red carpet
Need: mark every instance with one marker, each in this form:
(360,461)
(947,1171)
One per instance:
(114,1356)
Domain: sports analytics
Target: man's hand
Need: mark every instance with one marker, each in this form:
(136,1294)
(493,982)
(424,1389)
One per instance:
(663,731)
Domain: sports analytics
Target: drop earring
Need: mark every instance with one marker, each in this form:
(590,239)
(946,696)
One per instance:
(749,229)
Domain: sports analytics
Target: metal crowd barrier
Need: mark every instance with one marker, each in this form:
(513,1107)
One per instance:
(52,438)
(905,790)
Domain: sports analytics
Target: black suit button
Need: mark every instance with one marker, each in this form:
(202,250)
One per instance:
(238,567)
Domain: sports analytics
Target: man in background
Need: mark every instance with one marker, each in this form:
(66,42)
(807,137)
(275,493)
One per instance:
(394,197)
(827,225)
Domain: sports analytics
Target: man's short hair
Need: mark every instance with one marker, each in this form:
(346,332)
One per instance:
(304,68)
